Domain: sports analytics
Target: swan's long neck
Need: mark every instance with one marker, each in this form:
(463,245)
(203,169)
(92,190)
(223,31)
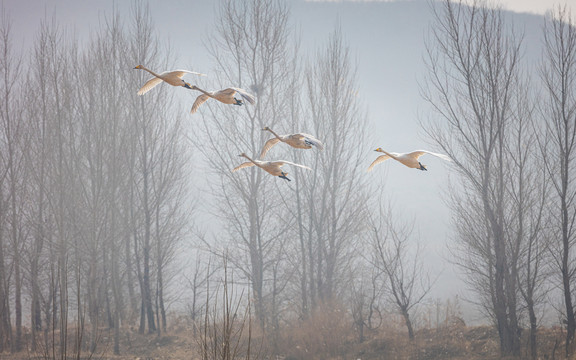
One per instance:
(150,71)
(254,162)
(273,133)
(391,155)
(202,91)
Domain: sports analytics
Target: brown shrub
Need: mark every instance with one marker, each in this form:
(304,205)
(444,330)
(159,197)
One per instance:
(327,333)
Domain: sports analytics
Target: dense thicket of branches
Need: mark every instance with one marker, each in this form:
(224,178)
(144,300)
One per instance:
(488,124)
(558,109)
(475,74)
(92,184)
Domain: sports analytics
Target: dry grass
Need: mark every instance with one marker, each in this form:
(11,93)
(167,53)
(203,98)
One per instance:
(328,334)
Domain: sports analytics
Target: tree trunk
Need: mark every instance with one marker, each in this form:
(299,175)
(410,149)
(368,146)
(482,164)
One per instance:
(533,331)
(35,308)
(5,326)
(18,304)
(408,322)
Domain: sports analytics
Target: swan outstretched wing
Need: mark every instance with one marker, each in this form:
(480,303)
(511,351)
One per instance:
(378,160)
(416,154)
(243,165)
(149,85)
(312,140)
(199,101)
(247,96)
(268,145)
(181,73)
(283,162)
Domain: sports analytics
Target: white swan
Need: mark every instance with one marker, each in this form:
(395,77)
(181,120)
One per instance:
(225,95)
(173,78)
(408,159)
(299,141)
(272,167)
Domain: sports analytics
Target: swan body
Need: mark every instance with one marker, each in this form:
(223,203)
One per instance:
(272,167)
(299,141)
(225,95)
(408,159)
(173,78)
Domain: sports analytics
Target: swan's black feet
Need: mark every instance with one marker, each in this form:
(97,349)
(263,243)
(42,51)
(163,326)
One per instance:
(422,167)
(187,86)
(238,102)
(283,176)
(307,142)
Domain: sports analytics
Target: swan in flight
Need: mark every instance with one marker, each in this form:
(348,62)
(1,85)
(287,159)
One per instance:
(272,167)
(299,141)
(225,95)
(173,78)
(408,159)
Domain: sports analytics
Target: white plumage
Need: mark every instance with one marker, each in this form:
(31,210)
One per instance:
(272,167)
(225,95)
(173,78)
(408,159)
(299,141)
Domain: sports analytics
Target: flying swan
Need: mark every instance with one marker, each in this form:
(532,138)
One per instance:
(299,141)
(272,167)
(225,95)
(173,78)
(408,159)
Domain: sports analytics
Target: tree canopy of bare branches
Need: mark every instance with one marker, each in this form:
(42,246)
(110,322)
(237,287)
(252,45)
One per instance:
(558,73)
(476,87)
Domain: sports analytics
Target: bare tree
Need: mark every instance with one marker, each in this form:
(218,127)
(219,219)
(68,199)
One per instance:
(61,174)
(366,292)
(250,50)
(157,202)
(143,47)
(199,282)
(39,113)
(12,130)
(37,161)
(227,329)
(330,201)
(109,51)
(474,63)
(7,72)
(528,214)
(400,264)
(103,134)
(171,210)
(559,113)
